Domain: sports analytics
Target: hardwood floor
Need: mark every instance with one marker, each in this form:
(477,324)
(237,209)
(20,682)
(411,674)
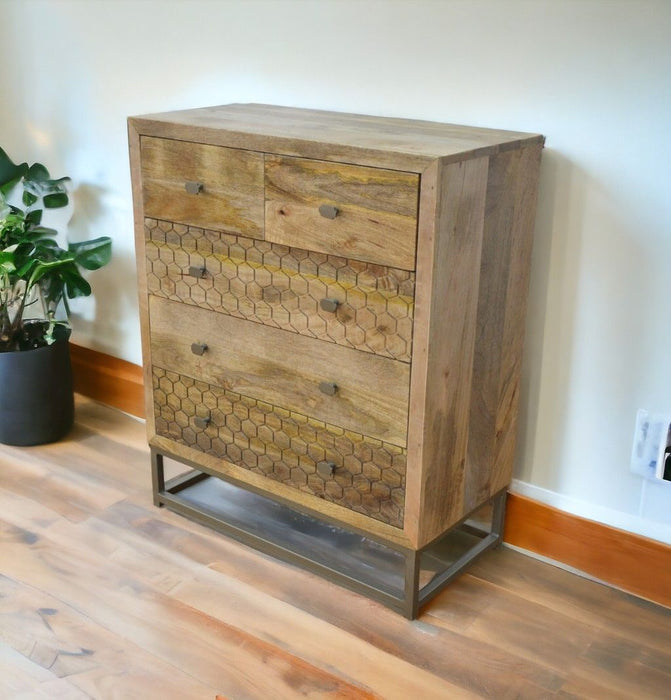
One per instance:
(102,595)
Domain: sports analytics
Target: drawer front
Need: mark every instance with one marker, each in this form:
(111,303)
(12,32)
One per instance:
(351,211)
(344,467)
(208,186)
(355,390)
(347,302)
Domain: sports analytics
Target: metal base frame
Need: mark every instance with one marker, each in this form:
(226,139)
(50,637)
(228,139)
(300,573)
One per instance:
(402,579)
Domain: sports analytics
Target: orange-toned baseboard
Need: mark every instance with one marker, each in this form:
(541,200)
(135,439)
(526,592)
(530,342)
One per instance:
(630,562)
(633,563)
(108,379)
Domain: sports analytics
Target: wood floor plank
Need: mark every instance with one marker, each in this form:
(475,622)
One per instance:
(63,492)
(619,669)
(56,641)
(239,607)
(577,597)
(102,595)
(521,626)
(18,673)
(357,616)
(221,655)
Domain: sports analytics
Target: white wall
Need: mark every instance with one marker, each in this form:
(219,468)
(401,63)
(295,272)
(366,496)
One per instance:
(593,76)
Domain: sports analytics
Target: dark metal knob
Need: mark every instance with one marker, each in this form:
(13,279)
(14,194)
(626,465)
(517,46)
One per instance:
(202,423)
(328,211)
(197,271)
(326,469)
(328,388)
(198,348)
(193,187)
(329,304)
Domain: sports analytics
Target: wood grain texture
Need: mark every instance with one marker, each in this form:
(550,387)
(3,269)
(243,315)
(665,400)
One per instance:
(127,600)
(108,379)
(406,144)
(284,369)
(283,287)
(140,261)
(232,185)
(503,283)
(523,216)
(377,210)
(299,500)
(367,476)
(637,564)
(448,265)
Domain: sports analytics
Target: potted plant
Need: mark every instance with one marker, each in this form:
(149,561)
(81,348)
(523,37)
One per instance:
(37,277)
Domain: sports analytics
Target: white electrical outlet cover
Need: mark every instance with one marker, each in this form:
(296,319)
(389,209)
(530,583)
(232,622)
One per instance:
(651,431)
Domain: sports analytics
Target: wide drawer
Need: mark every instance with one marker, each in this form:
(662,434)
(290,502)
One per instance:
(354,390)
(344,467)
(348,302)
(347,210)
(209,186)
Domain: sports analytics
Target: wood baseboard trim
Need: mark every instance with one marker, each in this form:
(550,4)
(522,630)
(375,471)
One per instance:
(633,563)
(622,559)
(108,379)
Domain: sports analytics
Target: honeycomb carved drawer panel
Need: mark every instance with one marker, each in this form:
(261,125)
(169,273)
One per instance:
(352,303)
(352,470)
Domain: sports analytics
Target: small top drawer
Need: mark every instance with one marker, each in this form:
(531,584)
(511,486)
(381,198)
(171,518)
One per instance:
(357,212)
(209,186)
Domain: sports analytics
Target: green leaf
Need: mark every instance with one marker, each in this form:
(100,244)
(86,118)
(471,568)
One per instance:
(75,284)
(29,198)
(59,183)
(47,268)
(49,243)
(42,231)
(37,173)
(10,173)
(33,217)
(24,266)
(56,200)
(7,265)
(92,255)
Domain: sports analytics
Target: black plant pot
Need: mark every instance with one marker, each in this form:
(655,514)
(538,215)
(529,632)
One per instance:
(36,395)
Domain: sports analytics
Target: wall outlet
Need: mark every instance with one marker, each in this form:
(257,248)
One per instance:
(650,439)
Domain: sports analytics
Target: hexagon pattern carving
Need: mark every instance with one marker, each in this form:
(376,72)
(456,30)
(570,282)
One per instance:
(282,286)
(368,476)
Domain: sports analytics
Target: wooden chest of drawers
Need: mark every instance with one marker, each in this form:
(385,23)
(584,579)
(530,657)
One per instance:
(333,312)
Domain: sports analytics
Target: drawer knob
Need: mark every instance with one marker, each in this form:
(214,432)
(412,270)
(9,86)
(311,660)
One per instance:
(197,271)
(326,469)
(201,423)
(328,211)
(193,187)
(198,348)
(330,305)
(328,388)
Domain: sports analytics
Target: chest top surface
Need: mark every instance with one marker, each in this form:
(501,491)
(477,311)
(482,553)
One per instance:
(407,144)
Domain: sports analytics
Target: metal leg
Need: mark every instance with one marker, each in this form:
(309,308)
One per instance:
(411,599)
(390,575)
(157,476)
(487,542)
(498,516)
